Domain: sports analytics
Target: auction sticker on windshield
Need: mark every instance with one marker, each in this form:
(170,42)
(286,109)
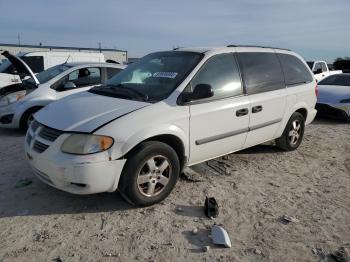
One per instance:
(165,74)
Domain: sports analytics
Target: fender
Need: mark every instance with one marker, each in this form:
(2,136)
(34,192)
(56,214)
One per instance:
(145,134)
(22,107)
(288,114)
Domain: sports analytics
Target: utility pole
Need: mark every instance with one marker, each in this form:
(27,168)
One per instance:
(99,46)
(19,39)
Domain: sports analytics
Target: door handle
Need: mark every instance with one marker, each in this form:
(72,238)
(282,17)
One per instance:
(257,109)
(242,112)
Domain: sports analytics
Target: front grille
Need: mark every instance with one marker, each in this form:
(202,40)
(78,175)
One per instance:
(49,133)
(43,136)
(35,125)
(29,138)
(40,147)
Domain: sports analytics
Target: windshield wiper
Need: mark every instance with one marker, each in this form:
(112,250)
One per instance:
(115,91)
(128,89)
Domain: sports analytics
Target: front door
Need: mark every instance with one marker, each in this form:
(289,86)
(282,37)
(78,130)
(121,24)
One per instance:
(218,125)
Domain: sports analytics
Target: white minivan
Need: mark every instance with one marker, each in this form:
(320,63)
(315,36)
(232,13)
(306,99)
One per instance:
(170,110)
(42,60)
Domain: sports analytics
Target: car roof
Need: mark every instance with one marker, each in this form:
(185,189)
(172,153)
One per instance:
(229,47)
(74,64)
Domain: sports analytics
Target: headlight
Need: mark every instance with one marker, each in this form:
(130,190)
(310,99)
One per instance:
(81,144)
(10,99)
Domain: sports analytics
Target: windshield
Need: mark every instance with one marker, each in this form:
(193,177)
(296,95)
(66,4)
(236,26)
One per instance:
(310,64)
(337,80)
(152,78)
(4,67)
(50,73)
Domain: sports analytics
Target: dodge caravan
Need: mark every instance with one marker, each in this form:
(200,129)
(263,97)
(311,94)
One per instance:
(170,110)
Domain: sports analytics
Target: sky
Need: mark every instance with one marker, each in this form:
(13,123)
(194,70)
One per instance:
(316,29)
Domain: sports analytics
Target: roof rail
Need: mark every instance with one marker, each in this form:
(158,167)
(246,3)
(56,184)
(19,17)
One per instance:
(259,46)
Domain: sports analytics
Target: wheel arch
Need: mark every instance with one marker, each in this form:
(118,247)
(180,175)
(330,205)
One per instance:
(27,111)
(303,112)
(174,141)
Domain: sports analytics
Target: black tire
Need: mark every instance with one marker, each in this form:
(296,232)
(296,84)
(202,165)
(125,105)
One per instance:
(137,163)
(286,142)
(26,116)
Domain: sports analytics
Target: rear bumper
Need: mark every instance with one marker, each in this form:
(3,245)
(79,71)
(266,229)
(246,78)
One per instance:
(310,116)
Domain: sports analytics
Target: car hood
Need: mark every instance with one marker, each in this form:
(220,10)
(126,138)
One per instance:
(22,68)
(85,112)
(332,93)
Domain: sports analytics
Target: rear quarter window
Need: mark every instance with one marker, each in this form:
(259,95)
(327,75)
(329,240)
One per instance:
(295,71)
(261,72)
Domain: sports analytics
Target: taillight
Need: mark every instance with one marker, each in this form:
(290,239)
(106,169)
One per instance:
(316,89)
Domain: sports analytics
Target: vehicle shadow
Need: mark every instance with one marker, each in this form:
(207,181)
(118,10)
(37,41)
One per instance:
(38,198)
(11,132)
(323,120)
(260,149)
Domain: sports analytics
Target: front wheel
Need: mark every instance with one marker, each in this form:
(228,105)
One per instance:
(293,133)
(150,173)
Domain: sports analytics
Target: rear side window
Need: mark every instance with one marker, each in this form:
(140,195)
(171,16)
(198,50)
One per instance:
(317,67)
(337,80)
(85,76)
(261,72)
(324,67)
(295,71)
(36,63)
(112,72)
(222,74)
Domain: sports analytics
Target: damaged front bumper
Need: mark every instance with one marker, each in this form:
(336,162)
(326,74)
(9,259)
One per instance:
(8,117)
(337,111)
(77,174)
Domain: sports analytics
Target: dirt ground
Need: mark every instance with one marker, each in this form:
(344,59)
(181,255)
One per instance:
(254,188)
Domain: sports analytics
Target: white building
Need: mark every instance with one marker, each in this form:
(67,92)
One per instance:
(117,55)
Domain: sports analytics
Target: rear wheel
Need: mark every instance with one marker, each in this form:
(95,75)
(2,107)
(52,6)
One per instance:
(150,173)
(293,133)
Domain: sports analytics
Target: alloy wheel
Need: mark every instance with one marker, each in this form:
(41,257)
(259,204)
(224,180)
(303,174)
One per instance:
(154,176)
(294,132)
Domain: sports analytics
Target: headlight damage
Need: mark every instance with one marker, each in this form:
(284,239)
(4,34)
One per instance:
(12,98)
(84,144)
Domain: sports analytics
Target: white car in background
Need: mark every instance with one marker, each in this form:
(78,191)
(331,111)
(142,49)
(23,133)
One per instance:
(40,61)
(18,102)
(170,110)
(334,96)
(321,70)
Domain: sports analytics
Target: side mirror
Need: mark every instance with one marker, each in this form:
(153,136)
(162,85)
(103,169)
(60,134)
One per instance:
(69,85)
(200,91)
(318,71)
